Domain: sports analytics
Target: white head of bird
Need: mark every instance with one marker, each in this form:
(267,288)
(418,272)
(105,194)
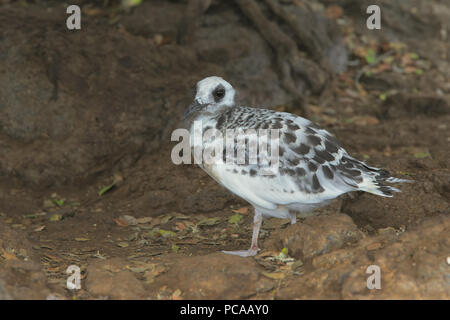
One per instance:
(212,95)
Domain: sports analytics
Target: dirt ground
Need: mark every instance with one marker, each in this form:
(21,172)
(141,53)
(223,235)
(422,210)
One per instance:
(90,112)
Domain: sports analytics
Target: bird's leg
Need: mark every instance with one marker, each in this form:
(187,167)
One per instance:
(293,217)
(257,220)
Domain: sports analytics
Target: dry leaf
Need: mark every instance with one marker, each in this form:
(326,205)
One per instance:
(131,221)
(8,255)
(373,246)
(274,275)
(365,120)
(120,222)
(55,217)
(334,12)
(122,244)
(243,210)
(208,222)
(39,229)
(144,220)
(180,226)
(176,295)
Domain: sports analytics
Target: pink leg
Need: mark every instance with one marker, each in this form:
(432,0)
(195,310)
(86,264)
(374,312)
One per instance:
(257,220)
(293,217)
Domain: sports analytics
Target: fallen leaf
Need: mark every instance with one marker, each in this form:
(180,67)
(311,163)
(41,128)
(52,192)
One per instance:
(122,244)
(93,11)
(384,67)
(34,215)
(132,221)
(365,120)
(141,268)
(165,218)
(120,222)
(410,69)
(176,295)
(208,222)
(180,226)
(235,218)
(334,12)
(39,229)
(144,220)
(106,189)
(133,237)
(59,202)
(181,217)
(48,204)
(370,56)
(8,255)
(243,210)
(421,155)
(373,246)
(81,239)
(414,55)
(130,3)
(274,275)
(166,233)
(382,96)
(55,217)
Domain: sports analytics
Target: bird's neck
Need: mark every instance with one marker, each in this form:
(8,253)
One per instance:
(208,115)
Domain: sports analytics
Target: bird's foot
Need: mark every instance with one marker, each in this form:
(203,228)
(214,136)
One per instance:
(243,253)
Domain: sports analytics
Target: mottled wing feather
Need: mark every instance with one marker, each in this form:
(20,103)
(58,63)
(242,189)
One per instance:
(313,167)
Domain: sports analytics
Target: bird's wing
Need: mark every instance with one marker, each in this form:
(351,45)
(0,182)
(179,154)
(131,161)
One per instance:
(312,166)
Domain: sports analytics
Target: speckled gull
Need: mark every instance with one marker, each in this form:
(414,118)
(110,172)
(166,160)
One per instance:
(312,168)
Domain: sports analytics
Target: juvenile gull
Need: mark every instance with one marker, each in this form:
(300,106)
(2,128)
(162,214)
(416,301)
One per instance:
(313,168)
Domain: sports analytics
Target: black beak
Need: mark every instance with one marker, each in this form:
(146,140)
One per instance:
(193,108)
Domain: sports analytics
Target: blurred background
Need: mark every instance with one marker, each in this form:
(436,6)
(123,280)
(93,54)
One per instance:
(85,123)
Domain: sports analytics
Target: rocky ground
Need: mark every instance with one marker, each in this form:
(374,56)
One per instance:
(87,180)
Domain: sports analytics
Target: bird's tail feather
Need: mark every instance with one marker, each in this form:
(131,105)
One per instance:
(375,182)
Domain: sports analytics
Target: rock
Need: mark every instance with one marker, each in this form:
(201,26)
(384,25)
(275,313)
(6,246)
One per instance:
(4,294)
(219,43)
(22,280)
(21,276)
(67,115)
(110,279)
(317,235)
(412,266)
(408,273)
(213,276)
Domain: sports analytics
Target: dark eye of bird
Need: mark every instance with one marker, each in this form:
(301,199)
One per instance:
(219,93)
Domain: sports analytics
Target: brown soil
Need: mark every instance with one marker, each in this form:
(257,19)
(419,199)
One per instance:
(81,110)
